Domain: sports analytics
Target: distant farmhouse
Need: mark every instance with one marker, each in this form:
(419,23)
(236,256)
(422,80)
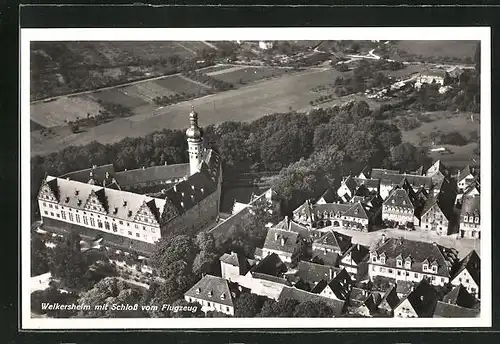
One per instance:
(96,201)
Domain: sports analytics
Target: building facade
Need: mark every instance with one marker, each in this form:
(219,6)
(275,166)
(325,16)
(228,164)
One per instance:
(129,220)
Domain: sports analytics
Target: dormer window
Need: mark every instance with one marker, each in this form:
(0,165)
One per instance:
(124,203)
(466,218)
(471,218)
(434,268)
(115,211)
(67,199)
(425,267)
(182,194)
(404,202)
(79,202)
(198,290)
(77,192)
(129,213)
(399,263)
(476,219)
(382,259)
(192,187)
(201,190)
(210,293)
(223,296)
(182,204)
(393,201)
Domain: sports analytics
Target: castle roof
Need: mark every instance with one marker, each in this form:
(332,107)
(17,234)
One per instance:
(151,174)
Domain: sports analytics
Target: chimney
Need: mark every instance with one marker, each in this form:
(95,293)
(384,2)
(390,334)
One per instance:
(107,175)
(175,188)
(282,241)
(383,237)
(166,163)
(357,247)
(330,273)
(276,236)
(143,167)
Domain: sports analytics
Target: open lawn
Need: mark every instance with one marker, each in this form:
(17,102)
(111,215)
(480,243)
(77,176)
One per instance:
(180,85)
(460,122)
(56,112)
(250,74)
(246,103)
(118,96)
(458,49)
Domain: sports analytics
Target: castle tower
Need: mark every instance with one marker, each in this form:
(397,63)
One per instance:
(194,136)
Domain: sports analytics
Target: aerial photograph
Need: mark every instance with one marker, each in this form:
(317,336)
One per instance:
(255,179)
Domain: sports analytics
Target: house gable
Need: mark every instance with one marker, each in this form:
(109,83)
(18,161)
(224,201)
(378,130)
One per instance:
(94,203)
(48,191)
(145,214)
(405,310)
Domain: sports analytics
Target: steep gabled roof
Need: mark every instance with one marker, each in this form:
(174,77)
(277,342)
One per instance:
(328,258)
(471,263)
(357,210)
(99,174)
(471,205)
(464,173)
(212,288)
(341,284)
(313,273)
(359,253)
(152,174)
(399,198)
(330,196)
(446,310)
(281,240)
(390,297)
(303,296)
(349,183)
(459,296)
(270,265)
(419,252)
(378,173)
(423,299)
(334,240)
(369,183)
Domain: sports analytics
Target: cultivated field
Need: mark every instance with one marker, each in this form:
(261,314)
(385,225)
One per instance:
(117,96)
(146,91)
(180,85)
(459,49)
(57,112)
(246,103)
(250,74)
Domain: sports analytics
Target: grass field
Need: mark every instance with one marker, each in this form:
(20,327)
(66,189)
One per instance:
(146,91)
(180,85)
(250,74)
(54,113)
(118,97)
(460,155)
(246,103)
(459,49)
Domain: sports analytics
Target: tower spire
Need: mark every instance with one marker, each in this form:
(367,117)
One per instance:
(194,135)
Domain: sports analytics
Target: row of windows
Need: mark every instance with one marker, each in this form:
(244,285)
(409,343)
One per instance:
(407,264)
(471,219)
(209,304)
(406,273)
(100,224)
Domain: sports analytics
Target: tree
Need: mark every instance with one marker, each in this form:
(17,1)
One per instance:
(69,264)
(106,293)
(179,248)
(52,295)
(406,157)
(247,305)
(39,256)
(313,309)
(206,263)
(284,308)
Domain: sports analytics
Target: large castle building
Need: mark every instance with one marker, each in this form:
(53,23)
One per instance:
(100,202)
